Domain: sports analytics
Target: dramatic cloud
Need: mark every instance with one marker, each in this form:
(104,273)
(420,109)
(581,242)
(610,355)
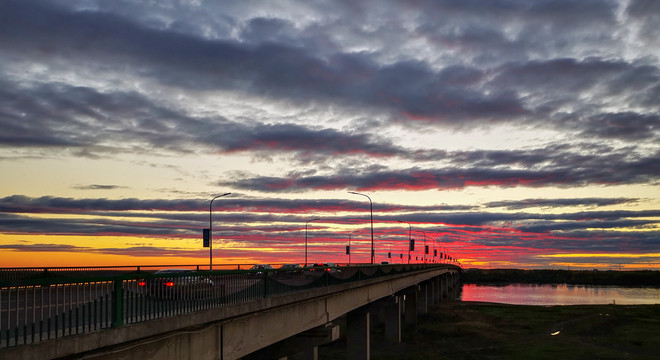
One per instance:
(97,187)
(538,121)
(527,203)
(640,171)
(283,69)
(238,224)
(24,204)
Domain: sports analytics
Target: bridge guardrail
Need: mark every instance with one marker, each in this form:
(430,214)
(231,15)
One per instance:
(36,275)
(38,308)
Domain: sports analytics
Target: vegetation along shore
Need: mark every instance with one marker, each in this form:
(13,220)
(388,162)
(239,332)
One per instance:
(471,330)
(475,330)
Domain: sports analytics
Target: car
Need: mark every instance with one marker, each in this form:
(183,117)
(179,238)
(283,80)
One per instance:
(289,271)
(262,269)
(315,266)
(291,267)
(176,283)
(332,267)
(329,267)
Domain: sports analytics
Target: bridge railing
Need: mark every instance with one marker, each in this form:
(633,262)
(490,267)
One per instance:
(21,275)
(36,307)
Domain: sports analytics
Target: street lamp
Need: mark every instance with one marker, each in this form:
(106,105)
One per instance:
(371,208)
(306,238)
(409,237)
(211,230)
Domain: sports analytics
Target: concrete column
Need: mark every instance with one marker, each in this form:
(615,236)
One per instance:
(456,287)
(429,294)
(410,305)
(377,310)
(450,287)
(392,307)
(422,299)
(437,288)
(358,342)
(303,346)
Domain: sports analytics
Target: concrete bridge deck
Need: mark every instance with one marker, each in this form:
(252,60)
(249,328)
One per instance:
(268,327)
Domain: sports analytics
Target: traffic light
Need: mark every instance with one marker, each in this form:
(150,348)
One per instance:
(205,236)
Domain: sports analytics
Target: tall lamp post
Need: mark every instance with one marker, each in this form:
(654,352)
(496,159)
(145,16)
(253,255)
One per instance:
(211,230)
(307,223)
(409,237)
(371,208)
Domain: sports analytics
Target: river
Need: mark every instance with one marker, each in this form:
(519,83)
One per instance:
(526,294)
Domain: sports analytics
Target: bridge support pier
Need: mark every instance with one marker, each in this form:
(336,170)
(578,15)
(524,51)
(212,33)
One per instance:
(303,346)
(358,341)
(422,299)
(393,319)
(455,288)
(410,305)
(437,285)
(430,289)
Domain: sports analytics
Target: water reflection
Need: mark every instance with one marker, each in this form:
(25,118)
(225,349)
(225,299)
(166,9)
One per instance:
(530,294)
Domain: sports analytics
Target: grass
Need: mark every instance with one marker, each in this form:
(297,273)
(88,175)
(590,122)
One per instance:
(468,330)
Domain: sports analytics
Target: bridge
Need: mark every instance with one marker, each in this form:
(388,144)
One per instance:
(120,313)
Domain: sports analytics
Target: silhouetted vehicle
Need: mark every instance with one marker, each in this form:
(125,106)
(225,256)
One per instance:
(329,267)
(315,267)
(332,267)
(296,268)
(181,283)
(262,269)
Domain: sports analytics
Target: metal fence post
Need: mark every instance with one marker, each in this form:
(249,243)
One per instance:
(266,283)
(117,304)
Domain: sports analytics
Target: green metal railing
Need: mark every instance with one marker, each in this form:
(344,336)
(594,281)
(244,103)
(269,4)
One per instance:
(38,304)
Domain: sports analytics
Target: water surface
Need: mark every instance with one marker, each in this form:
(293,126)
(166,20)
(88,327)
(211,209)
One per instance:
(546,294)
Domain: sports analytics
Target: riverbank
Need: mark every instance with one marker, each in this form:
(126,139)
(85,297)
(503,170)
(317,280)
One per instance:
(576,277)
(469,330)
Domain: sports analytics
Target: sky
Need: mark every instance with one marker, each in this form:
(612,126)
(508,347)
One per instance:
(505,134)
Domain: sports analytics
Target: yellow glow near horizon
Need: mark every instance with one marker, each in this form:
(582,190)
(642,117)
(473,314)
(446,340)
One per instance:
(97,241)
(622,266)
(612,255)
(40,259)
